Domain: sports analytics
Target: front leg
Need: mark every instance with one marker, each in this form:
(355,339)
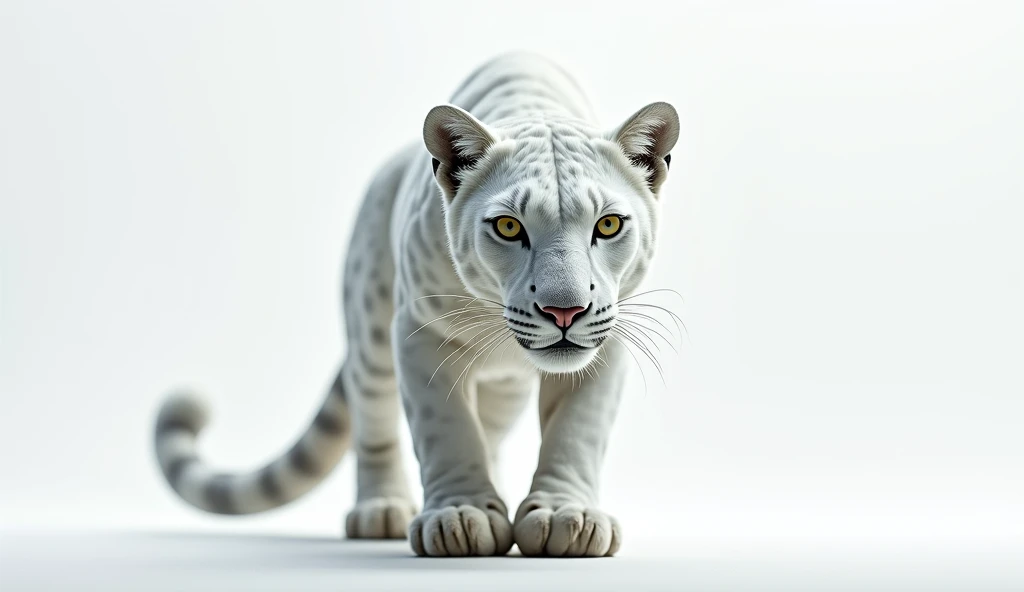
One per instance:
(560,516)
(462,513)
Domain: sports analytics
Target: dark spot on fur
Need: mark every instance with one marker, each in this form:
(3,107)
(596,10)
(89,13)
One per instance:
(376,449)
(329,424)
(177,467)
(303,460)
(217,495)
(269,487)
(429,443)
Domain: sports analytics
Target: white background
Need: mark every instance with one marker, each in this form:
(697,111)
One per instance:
(178,181)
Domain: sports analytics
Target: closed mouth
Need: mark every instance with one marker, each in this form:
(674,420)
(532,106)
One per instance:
(562,344)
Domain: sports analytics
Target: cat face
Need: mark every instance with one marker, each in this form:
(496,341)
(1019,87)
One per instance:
(553,219)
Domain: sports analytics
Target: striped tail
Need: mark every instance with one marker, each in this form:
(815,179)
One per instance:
(283,480)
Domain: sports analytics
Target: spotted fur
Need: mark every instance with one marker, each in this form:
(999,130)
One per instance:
(453,321)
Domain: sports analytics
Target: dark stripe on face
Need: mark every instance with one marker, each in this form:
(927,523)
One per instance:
(593,200)
(270,488)
(596,333)
(578,207)
(524,199)
(217,495)
(303,460)
(522,324)
(177,467)
(509,201)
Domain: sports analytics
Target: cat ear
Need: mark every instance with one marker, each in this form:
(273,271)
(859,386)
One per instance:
(647,138)
(456,140)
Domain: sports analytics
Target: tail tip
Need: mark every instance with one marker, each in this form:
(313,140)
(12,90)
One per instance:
(183,410)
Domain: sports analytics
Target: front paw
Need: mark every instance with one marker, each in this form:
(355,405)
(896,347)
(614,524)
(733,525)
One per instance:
(379,518)
(545,526)
(461,527)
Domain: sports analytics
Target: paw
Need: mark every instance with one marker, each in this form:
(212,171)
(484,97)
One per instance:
(560,529)
(462,527)
(379,518)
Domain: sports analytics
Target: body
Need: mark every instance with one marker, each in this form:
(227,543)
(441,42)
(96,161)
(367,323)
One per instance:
(485,268)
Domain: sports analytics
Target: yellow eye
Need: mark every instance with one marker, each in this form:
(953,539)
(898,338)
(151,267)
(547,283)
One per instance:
(508,227)
(609,226)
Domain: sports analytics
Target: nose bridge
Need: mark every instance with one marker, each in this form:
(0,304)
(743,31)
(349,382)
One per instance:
(562,276)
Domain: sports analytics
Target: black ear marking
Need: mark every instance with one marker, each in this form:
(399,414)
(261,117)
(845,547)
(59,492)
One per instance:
(647,137)
(668,161)
(459,165)
(456,141)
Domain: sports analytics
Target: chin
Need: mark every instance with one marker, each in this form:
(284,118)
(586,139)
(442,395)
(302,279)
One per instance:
(562,361)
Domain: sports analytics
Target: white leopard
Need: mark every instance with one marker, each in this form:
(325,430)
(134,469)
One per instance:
(485,269)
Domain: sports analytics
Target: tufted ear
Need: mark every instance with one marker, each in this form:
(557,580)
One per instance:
(456,140)
(648,137)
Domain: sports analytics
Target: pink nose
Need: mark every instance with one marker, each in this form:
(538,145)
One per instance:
(563,316)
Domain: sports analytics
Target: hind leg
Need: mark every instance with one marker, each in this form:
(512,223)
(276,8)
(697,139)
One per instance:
(384,506)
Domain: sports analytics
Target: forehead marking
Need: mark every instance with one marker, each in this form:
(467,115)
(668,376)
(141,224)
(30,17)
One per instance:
(523,200)
(569,144)
(557,151)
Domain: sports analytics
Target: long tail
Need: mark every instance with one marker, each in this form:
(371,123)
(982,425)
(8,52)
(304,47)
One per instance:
(283,480)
